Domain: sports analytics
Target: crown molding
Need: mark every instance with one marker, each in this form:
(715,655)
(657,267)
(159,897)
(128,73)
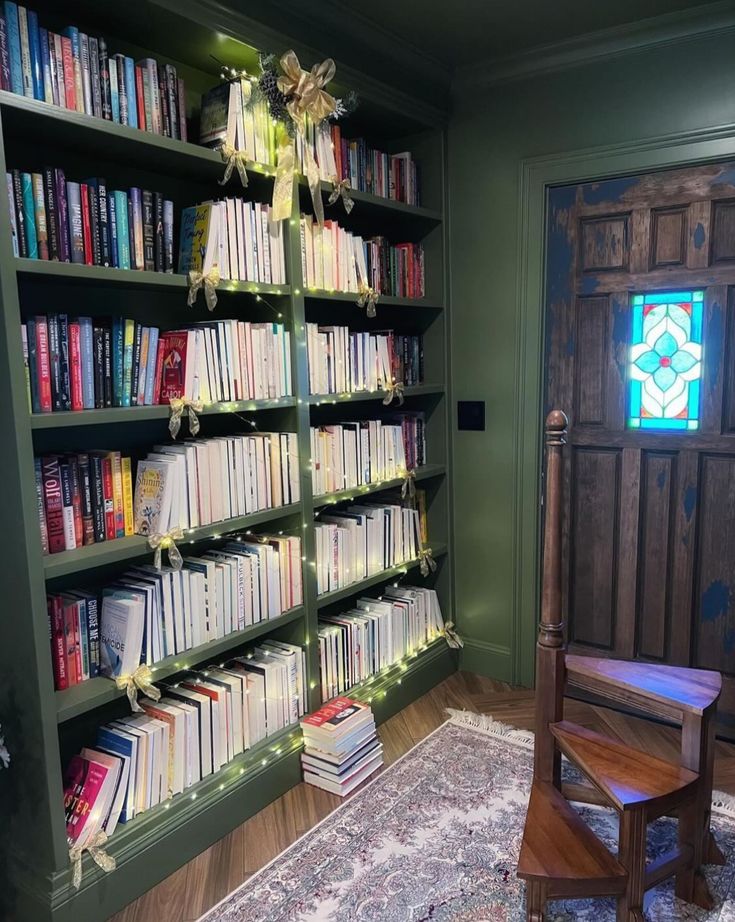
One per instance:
(668,29)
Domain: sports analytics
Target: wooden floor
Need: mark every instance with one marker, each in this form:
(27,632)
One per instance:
(197,886)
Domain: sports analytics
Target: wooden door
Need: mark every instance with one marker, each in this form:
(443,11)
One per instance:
(640,354)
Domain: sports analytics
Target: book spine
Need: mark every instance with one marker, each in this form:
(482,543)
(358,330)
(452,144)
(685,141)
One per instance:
(109,495)
(118,361)
(117,493)
(44,366)
(56,617)
(53,503)
(26,365)
(13,30)
(168,236)
(112,230)
(56,97)
(172,95)
(94,220)
(152,68)
(76,502)
(77,630)
(128,343)
(123,232)
(114,89)
(98,498)
(13,220)
(34,48)
(54,360)
(75,367)
(67,507)
(140,97)
(183,136)
(158,232)
(40,505)
(81,613)
(25,53)
(107,349)
(104,220)
(149,243)
(163,103)
(137,230)
(52,220)
(76,232)
(33,373)
(64,365)
(135,375)
(86,224)
(40,216)
(151,367)
(128,67)
(86,72)
(29,215)
(19,215)
(94,73)
(87,353)
(127,485)
(48,88)
(67,60)
(159,371)
(93,636)
(76,52)
(122,93)
(62,213)
(85,488)
(57,49)
(104,79)
(98,345)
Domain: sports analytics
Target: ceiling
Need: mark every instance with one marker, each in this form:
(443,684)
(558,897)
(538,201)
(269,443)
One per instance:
(464,32)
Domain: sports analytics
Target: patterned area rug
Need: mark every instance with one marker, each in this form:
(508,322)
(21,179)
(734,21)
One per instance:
(435,837)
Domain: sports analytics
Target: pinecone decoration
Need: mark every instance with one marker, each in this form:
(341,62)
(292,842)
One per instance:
(268,86)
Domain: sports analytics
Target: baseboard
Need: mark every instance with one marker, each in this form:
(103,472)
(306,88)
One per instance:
(486,659)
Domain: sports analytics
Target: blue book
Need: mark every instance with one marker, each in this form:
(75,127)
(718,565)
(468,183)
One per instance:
(48,92)
(114,91)
(112,230)
(84,637)
(86,337)
(123,231)
(34,43)
(29,215)
(16,67)
(130,92)
(118,742)
(150,376)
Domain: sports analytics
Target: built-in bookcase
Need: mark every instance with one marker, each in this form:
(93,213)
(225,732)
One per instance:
(43,728)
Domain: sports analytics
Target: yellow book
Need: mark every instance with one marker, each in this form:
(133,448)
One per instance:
(127,492)
(117,493)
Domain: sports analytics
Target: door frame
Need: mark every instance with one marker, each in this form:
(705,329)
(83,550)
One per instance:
(537,175)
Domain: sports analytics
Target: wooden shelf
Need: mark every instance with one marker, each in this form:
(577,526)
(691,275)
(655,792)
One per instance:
(320,294)
(377,206)
(438,549)
(98,691)
(356,493)
(115,415)
(122,549)
(416,390)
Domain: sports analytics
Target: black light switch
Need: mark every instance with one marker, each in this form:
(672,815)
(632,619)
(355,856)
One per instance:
(471,415)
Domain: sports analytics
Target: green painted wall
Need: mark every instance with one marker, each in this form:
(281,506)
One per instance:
(685,86)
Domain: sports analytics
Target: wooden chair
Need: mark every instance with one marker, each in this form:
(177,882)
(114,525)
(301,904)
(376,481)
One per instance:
(560,855)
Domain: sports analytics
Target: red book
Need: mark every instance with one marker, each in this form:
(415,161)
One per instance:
(54,504)
(75,613)
(86,225)
(44,364)
(83,782)
(173,372)
(68,59)
(331,716)
(139,96)
(58,657)
(75,365)
(159,371)
(70,654)
(109,496)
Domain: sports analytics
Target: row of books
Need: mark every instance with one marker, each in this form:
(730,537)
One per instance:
(341,746)
(374,635)
(52,218)
(196,483)
(226,360)
(238,238)
(393,176)
(335,259)
(81,363)
(230,112)
(75,71)
(342,361)
(147,614)
(363,540)
(83,499)
(353,454)
(202,722)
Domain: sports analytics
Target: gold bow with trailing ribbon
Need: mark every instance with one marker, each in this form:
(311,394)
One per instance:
(341,189)
(306,96)
(178,406)
(408,490)
(208,281)
(393,391)
(451,636)
(139,681)
(427,564)
(233,159)
(368,298)
(167,542)
(96,849)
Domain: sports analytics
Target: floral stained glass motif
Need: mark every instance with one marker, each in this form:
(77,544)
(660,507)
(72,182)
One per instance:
(665,367)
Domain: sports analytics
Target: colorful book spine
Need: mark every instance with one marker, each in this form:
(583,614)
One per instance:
(128,66)
(114,89)
(10,12)
(168,236)
(39,212)
(87,353)
(40,505)
(127,483)
(128,341)
(34,44)
(62,217)
(43,365)
(29,216)
(105,86)
(76,233)
(25,52)
(123,232)
(53,503)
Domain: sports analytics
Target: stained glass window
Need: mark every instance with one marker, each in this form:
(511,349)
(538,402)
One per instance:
(665,367)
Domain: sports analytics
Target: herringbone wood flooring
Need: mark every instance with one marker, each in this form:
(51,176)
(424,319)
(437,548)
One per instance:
(197,886)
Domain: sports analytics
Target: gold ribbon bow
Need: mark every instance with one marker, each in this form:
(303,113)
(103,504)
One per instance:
(393,391)
(208,282)
(234,159)
(368,299)
(451,636)
(139,681)
(167,542)
(178,406)
(97,853)
(306,96)
(408,490)
(341,189)
(427,564)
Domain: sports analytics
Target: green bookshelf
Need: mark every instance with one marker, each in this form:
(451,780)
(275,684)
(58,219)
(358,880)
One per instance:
(42,726)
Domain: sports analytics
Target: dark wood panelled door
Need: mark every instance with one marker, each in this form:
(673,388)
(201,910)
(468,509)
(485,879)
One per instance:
(640,353)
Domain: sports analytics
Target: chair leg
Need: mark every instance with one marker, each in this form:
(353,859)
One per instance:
(535,901)
(691,885)
(632,855)
(698,755)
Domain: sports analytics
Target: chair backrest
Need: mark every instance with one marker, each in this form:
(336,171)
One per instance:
(550,643)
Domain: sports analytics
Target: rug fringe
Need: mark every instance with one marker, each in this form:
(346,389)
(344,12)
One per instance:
(485,723)
(724,804)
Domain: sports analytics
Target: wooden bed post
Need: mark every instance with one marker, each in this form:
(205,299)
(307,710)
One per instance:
(550,645)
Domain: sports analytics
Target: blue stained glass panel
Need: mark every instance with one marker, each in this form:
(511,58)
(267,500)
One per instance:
(665,361)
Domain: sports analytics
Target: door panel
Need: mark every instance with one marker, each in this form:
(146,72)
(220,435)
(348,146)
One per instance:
(649,520)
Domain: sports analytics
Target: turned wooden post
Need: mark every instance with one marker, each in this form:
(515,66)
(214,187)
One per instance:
(550,644)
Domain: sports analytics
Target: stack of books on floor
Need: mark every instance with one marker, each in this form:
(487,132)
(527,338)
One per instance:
(341,746)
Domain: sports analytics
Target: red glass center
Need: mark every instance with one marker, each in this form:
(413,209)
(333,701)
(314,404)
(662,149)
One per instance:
(664,361)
